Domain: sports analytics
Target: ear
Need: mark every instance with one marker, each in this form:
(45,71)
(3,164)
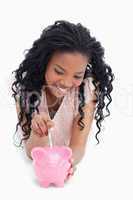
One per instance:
(37,153)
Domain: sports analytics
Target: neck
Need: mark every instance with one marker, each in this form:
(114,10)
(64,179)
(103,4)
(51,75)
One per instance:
(52,99)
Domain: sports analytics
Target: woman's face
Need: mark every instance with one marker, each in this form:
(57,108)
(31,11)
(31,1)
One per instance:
(65,71)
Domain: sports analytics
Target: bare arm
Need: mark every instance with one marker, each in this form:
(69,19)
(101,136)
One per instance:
(40,123)
(79,138)
(34,139)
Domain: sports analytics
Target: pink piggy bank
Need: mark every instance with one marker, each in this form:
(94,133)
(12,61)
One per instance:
(51,164)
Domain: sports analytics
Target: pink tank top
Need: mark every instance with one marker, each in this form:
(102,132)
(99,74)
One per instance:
(67,111)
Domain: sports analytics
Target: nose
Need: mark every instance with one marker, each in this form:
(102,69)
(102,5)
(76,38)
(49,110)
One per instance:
(66,84)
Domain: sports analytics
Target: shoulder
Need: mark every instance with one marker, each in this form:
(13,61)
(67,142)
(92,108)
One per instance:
(88,109)
(90,92)
(90,99)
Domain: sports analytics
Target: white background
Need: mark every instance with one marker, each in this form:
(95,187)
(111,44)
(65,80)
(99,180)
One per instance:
(106,172)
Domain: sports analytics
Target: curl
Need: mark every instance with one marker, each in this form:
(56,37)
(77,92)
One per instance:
(61,36)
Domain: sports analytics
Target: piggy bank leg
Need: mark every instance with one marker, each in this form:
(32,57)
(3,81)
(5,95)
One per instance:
(44,183)
(59,183)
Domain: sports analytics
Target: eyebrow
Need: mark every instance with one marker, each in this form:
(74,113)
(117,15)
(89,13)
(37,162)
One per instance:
(64,69)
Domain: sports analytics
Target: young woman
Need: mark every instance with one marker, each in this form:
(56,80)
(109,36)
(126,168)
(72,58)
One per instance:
(63,83)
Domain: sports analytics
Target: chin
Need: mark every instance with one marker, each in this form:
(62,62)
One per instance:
(55,92)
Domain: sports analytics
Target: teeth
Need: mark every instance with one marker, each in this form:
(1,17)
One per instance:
(63,90)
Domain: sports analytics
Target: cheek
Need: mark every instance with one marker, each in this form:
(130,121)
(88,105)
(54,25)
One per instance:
(50,77)
(77,83)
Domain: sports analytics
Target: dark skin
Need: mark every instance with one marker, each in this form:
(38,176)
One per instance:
(67,71)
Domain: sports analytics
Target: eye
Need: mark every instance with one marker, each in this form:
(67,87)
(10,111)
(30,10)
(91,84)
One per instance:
(58,72)
(78,77)
(61,73)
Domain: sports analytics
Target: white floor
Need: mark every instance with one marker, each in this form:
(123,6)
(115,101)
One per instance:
(104,173)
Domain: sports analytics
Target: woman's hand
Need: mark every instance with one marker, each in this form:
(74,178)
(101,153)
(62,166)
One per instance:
(72,169)
(40,124)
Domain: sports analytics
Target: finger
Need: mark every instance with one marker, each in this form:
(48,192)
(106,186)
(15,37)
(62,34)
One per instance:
(39,125)
(42,127)
(34,125)
(36,128)
(50,124)
(47,120)
(68,176)
(45,116)
(71,171)
(71,160)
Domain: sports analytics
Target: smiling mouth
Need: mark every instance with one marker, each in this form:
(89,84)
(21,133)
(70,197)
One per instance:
(62,91)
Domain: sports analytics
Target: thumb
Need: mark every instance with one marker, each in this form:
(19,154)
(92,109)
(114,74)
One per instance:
(50,123)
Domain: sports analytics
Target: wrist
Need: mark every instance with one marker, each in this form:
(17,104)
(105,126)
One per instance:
(77,154)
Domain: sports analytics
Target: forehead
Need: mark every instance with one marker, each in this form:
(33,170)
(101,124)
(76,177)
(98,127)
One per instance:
(75,61)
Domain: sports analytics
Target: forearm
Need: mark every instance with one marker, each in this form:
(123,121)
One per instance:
(77,154)
(34,141)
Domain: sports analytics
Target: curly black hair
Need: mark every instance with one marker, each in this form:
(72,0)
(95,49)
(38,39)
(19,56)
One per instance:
(67,37)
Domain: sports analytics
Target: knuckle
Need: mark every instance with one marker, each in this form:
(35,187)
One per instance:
(42,124)
(34,116)
(50,123)
(42,128)
(36,127)
(44,116)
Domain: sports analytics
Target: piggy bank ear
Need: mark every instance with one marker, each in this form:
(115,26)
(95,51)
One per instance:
(66,152)
(37,153)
